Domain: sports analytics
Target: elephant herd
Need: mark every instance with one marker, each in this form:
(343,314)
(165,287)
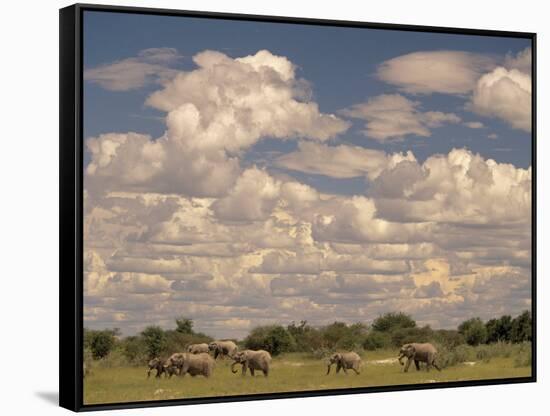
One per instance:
(198,361)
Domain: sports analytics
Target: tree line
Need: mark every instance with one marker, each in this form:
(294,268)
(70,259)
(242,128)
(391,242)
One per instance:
(388,331)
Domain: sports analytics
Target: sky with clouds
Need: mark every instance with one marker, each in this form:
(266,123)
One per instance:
(245,173)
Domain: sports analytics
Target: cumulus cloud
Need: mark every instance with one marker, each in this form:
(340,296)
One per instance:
(149,66)
(213,113)
(232,103)
(341,161)
(474,124)
(522,61)
(504,94)
(426,72)
(253,197)
(176,226)
(393,116)
(460,187)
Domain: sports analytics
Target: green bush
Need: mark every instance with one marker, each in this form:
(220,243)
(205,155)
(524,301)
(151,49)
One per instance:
(340,336)
(392,321)
(474,331)
(100,343)
(306,337)
(376,340)
(155,341)
(522,328)
(273,338)
(400,336)
(448,338)
(134,350)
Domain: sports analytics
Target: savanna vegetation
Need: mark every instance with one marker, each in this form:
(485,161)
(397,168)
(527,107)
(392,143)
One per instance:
(116,365)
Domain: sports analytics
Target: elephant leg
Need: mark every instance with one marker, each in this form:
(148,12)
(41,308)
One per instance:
(243,370)
(338,366)
(148,373)
(345,369)
(266,372)
(252,372)
(216,353)
(417,365)
(409,361)
(356,370)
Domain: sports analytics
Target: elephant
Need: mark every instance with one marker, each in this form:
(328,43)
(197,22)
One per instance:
(253,360)
(416,352)
(198,348)
(155,364)
(194,364)
(345,361)
(223,348)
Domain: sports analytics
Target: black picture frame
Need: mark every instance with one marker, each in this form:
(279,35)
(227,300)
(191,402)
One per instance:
(71,205)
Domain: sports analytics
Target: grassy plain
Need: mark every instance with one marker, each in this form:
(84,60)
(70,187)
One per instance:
(289,372)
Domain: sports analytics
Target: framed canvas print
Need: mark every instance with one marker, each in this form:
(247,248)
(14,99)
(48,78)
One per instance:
(259,207)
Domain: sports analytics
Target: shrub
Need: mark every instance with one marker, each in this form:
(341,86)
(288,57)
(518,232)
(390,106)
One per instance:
(499,330)
(134,350)
(402,336)
(155,341)
(448,338)
(393,320)
(100,343)
(523,356)
(521,330)
(376,340)
(474,331)
(273,338)
(307,338)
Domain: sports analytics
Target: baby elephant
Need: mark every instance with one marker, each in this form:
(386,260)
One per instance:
(345,361)
(426,353)
(194,364)
(253,360)
(198,348)
(155,364)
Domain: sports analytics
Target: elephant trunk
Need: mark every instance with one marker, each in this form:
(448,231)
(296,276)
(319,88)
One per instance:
(328,369)
(233,367)
(401,359)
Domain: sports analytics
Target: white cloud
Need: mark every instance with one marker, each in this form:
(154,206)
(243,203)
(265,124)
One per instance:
(460,187)
(232,103)
(493,136)
(474,124)
(392,116)
(341,161)
(253,197)
(504,94)
(522,61)
(448,72)
(214,112)
(132,73)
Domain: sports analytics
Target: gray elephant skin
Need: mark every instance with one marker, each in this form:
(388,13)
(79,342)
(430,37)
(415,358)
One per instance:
(223,348)
(345,361)
(194,364)
(198,348)
(259,360)
(418,353)
(155,364)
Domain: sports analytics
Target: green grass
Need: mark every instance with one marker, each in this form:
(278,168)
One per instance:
(290,372)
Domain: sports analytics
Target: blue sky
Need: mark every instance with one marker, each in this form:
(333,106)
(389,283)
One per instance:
(336,173)
(340,64)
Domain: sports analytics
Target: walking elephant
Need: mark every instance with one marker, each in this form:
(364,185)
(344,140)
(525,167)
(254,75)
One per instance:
(155,364)
(198,348)
(223,348)
(345,361)
(252,360)
(418,353)
(194,364)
